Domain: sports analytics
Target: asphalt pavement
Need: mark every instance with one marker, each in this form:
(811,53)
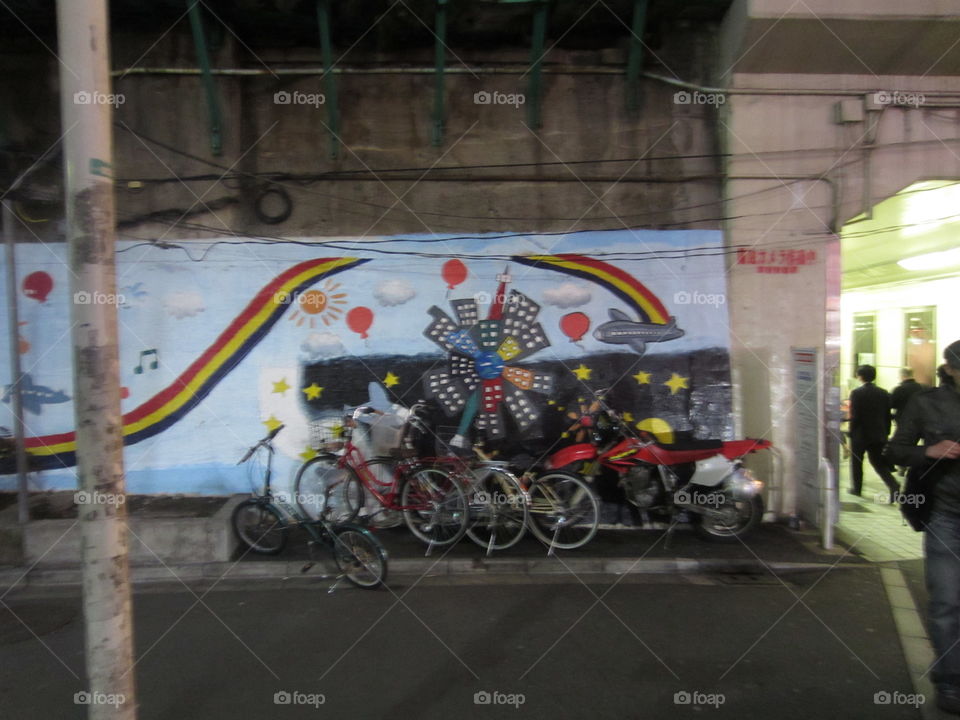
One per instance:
(819,644)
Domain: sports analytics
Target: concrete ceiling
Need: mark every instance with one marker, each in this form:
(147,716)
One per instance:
(855,37)
(923,218)
(486,24)
(851,46)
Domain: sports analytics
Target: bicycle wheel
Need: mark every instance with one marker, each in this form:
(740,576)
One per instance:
(259,526)
(436,509)
(564,510)
(498,509)
(324,489)
(359,556)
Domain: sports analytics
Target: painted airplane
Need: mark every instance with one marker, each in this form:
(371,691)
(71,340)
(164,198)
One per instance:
(34,396)
(621,330)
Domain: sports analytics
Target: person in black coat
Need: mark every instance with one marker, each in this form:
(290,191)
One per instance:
(932,418)
(907,388)
(869,429)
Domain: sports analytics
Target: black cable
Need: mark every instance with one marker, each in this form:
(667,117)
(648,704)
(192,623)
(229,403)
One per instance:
(260,239)
(260,176)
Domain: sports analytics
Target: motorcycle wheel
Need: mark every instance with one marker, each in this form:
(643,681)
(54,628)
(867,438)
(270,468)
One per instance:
(749,513)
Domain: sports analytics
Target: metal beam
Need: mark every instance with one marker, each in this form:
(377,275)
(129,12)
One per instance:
(534,84)
(440,31)
(329,82)
(635,58)
(209,86)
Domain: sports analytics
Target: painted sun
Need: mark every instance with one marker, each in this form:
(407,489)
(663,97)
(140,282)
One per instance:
(322,304)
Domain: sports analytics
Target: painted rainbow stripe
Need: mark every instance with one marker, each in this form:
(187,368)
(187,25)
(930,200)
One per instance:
(620,283)
(195,383)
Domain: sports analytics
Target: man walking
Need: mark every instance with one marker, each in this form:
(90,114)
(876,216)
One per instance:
(869,429)
(907,388)
(934,417)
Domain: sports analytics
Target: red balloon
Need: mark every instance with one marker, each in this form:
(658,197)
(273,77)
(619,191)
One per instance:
(574,325)
(359,319)
(454,273)
(37,285)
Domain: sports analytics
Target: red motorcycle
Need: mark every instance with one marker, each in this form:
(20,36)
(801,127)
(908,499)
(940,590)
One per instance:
(704,478)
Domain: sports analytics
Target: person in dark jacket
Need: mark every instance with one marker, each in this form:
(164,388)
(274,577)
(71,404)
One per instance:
(902,393)
(933,416)
(869,430)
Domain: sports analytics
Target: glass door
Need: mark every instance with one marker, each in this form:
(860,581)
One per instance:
(920,343)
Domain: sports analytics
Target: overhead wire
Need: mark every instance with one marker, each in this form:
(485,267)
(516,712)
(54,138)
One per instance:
(159,216)
(301,188)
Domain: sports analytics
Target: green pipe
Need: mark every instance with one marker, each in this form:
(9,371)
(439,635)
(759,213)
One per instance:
(329,82)
(439,63)
(203,58)
(635,59)
(534,85)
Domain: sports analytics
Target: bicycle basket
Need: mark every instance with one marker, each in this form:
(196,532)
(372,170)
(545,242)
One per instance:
(327,435)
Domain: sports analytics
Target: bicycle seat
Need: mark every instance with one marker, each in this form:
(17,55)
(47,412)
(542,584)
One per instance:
(524,462)
(692,444)
(402,453)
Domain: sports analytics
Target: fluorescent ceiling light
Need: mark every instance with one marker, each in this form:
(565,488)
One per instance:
(926,205)
(931,261)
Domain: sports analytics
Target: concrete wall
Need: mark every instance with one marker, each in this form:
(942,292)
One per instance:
(385,124)
(794,177)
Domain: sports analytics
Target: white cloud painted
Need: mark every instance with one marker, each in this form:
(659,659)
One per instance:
(567,295)
(321,345)
(184,304)
(394,292)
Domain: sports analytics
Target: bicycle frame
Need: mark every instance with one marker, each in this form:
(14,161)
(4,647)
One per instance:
(318,530)
(386,493)
(360,558)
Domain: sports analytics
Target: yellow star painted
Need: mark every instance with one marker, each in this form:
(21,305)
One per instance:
(628,417)
(642,378)
(676,382)
(312,392)
(272,423)
(281,387)
(582,372)
(551,402)
(308,454)
(390,380)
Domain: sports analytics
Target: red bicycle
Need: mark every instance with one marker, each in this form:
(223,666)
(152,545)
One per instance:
(334,487)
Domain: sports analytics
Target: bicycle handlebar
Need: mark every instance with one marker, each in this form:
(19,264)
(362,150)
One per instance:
(263,442)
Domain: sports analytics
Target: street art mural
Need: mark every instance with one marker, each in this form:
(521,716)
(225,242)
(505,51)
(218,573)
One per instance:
(508,338)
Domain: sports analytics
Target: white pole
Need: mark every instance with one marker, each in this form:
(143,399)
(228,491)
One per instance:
(829,494)
(86,110)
